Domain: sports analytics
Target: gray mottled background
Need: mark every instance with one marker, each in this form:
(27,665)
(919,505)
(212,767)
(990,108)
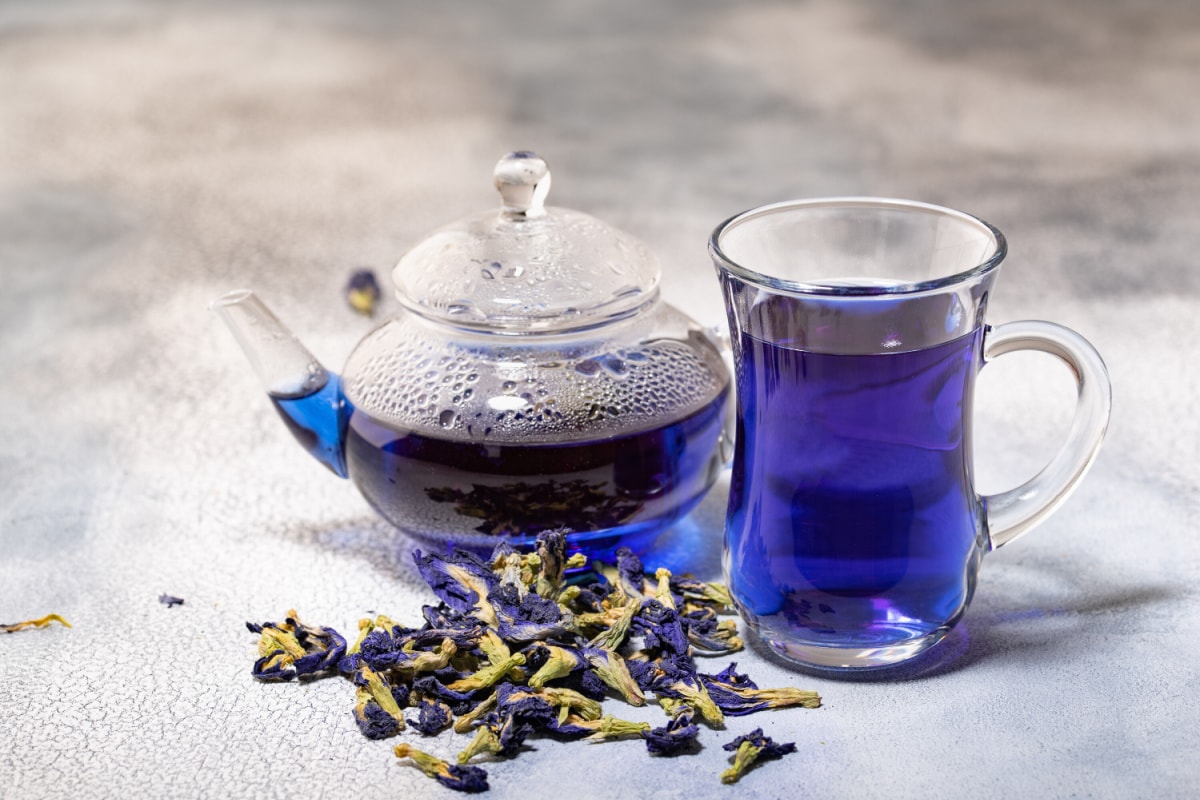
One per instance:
(154,155)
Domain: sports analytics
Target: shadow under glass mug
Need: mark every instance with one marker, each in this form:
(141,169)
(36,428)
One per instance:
(854,533)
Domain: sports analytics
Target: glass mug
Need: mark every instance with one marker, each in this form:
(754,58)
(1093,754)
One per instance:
(854,533)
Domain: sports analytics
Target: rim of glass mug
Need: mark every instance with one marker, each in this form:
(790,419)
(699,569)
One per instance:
(978,267)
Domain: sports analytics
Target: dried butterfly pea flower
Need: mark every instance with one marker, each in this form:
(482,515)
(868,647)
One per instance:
(660,628)
(377,704)
(170,601)
(380,651)
(697,696)
(453,776)
(519,712)
(372,720)
(432,717)
(465,635)
(293,649)
(611,669)
(13,627)
(552,558)
(489,675)
(609,727)
(485,741)
(591,598)
(705,632)
(528,617)
(737,695)
(586,682)
(674,676)
(467,720)
(507,652)
(362,292)
(691,589)
(750,748)
(350,662)
(569,701)
(513,568)
(519,701)
(677,736)
(553,662)
(429,686)
(614,635)
(493,646)
(662,589)
(462,581)
(631,577)
(419,661)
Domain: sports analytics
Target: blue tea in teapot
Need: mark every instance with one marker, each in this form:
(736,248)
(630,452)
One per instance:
(533,380)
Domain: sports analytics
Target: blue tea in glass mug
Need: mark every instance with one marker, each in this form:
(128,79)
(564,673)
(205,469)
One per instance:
(854,532)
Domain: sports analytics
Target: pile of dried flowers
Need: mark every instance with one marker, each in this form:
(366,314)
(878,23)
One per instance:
(512,651)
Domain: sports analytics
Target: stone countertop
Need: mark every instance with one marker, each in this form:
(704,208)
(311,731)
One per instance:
(155,156)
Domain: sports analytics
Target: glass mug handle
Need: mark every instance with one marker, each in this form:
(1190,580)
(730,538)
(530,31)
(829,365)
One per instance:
(1013,513)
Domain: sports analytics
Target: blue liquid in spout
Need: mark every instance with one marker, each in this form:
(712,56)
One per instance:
(318,422)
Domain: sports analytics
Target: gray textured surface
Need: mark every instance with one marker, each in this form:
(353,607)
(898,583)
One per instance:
(152,156)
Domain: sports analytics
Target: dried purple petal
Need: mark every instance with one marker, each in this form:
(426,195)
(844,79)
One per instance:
(452,776)
(661,628)
(736,695)
(362,291)
(510,624)
(733,678)
(586,682)
(377,704)
(609,727)
(689,588)
(292,649)
(432,717)
(170,601)
(552,554)
(677,736)
(705,632)
(611,669)
(459,702)
(519,712)
(461,580)
(526,617)
(748,749)
(630,574)
(373,721)
(521,703)
(552,662)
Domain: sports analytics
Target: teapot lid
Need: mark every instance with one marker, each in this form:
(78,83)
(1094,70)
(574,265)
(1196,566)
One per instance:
(526,267)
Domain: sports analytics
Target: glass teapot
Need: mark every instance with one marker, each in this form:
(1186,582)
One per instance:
(533,380)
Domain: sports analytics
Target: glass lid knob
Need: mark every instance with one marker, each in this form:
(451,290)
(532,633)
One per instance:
(523,179)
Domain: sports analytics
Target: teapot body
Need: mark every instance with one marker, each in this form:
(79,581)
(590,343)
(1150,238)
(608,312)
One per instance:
(534,380)
(471,439)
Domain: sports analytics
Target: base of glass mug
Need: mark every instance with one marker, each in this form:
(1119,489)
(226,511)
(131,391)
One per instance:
(824,657)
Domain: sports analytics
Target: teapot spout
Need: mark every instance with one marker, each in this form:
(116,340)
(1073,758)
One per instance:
(307,396)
